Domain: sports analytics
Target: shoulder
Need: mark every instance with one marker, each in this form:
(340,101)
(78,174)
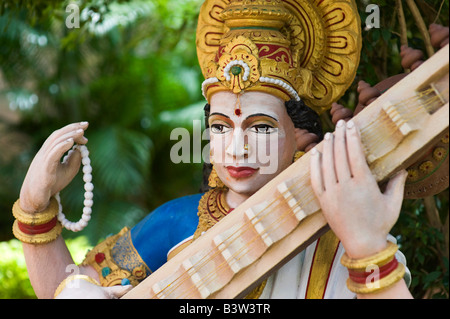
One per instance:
(183,209)
(164,228)
(181,205)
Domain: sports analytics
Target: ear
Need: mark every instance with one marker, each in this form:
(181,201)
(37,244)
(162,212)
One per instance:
(305,140)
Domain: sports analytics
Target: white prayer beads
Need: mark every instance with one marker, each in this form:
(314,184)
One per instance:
(88,194)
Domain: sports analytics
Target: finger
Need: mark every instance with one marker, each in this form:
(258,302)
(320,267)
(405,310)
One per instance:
(355,151)
(343,172)
(395,188)
(310,147)
(77,136)
(72,164)
(316,173)
(304,138)
(328,169)
(64,130)
(54,156)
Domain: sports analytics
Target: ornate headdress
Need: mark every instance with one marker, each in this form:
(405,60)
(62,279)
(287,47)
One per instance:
(293,49)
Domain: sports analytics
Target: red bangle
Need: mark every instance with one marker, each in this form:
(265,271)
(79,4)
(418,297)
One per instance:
(37,229)
(361,277)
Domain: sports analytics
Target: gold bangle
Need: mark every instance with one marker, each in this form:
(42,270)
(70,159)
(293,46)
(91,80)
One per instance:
(36,218)
(37,239)
(64,283)
(379,259)
(379,285)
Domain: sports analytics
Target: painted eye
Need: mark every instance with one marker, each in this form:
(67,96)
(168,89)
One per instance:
(263,129)
(219,128)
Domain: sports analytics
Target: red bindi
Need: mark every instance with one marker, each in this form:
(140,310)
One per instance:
(237,110)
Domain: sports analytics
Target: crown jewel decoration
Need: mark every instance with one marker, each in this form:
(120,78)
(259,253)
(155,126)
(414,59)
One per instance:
(293,49)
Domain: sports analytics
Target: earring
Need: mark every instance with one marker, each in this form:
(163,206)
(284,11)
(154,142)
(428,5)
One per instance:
(297,155)
(214,180)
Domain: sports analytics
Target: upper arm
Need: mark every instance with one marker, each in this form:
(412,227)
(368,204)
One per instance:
(165,227)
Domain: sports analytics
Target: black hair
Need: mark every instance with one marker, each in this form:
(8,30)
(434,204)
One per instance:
(301,115)
(304,117)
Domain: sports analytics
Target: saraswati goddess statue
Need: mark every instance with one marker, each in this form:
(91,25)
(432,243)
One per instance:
(271,67)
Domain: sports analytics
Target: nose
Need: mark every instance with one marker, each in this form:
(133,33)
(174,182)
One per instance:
(237,148)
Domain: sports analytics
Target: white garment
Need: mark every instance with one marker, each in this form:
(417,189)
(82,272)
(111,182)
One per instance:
(291,280)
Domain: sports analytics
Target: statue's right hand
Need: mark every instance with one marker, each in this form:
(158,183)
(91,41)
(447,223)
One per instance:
(47,175)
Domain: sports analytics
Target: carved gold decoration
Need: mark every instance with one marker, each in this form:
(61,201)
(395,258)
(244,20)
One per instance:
(439,153)
(211,208)
(445,138)
(308,47)
(298,155)
(214,180)
(413,175)
(428,176)
(110,273)
(426,167)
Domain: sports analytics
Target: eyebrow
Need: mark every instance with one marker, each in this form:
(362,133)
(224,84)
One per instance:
(220,114)
(248,117)
(261,114)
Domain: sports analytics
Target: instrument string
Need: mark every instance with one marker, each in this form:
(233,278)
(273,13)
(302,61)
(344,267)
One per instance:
(374,139)
(417,97)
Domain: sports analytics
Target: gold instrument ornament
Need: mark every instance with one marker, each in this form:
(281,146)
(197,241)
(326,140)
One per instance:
(293,49)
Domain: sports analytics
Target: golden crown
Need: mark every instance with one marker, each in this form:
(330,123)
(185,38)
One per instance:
(293,49)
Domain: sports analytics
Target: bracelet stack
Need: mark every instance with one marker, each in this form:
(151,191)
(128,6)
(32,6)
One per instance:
(374,273)
(40,228)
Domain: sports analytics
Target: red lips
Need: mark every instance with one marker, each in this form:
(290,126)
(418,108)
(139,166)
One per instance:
(241,172)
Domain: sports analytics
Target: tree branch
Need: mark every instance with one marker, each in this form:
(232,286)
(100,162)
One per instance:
(402,23)
(422,27)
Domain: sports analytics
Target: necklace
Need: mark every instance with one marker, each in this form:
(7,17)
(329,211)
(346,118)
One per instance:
(88,194)
(211,209)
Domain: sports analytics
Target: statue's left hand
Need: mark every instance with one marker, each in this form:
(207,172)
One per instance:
(357,211)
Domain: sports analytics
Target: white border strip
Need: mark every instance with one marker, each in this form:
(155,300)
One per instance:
(262,79)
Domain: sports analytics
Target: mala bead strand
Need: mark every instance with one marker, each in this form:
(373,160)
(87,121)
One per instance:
(88,194)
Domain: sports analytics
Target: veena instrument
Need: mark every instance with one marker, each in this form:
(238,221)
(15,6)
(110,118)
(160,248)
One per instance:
(284,216)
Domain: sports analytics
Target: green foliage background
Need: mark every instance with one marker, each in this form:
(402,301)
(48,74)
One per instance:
(131,71)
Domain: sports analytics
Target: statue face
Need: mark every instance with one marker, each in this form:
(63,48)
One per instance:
(252,139)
